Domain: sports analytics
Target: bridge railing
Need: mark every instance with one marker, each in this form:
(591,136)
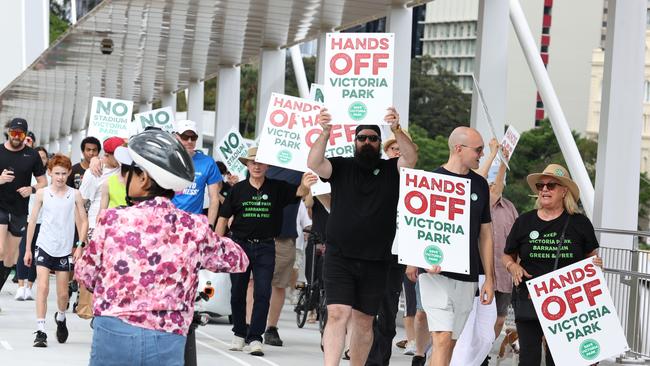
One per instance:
(627,272)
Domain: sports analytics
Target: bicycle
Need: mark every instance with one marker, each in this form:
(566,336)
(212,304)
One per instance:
(312,294)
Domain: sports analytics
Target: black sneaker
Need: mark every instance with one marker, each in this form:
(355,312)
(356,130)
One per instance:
(272,338)
(41,339)
(418,361)
(61,330)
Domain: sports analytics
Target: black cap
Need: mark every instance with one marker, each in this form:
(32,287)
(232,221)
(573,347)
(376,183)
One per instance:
(31,135)
(18,124)
(367,127)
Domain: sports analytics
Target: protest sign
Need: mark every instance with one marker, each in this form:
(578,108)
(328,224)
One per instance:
(316,93)
(290,129)
(359,76)
(162,118)
(577,314)
(433,226)
(109,117)
(230,149)
(509,141)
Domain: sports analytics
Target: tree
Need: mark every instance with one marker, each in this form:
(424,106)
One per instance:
(432,152)
(58,21)
(436,103)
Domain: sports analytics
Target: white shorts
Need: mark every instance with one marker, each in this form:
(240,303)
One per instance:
(446,302)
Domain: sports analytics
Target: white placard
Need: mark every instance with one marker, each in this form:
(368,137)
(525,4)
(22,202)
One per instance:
(433,220)
(109,117)
(230,149)
(316,93)
(162,118)
(577,314)
(359,76)
(509,141)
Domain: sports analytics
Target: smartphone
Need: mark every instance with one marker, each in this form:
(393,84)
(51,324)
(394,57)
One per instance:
(10,170)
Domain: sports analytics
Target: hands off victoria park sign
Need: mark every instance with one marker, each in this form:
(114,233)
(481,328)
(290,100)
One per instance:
(290,129)
(109,117)
(577,314)
(433,220)
(359,76)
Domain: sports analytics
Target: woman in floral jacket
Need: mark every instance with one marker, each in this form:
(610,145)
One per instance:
(143,261)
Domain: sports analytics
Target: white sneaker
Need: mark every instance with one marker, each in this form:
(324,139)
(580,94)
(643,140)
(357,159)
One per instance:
(409,349)
(254,348)
(28,294)
(237,344)
(20,294)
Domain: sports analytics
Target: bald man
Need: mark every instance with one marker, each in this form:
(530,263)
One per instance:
(447,298)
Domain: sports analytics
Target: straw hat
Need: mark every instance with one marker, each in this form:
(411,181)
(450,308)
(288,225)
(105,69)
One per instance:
(558,172)
(391,140)
(252,152)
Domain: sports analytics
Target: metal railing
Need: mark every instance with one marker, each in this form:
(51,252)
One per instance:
(627,272)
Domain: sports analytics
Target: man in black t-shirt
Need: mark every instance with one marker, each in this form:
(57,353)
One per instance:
(360,232)
(256,206)
(90,148)
(18,163)
(448,298)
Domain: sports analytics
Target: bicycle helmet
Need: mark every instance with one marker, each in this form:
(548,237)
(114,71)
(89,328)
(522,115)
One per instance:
(163,158)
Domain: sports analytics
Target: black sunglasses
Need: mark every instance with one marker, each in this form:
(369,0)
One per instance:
(371,138)
(550,186)
(191,138)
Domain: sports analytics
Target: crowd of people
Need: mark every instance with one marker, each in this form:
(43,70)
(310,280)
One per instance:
(136,220)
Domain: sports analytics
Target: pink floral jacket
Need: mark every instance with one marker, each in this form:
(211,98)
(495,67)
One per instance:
(143,263)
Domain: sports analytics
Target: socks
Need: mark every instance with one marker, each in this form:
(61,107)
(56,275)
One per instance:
(60,316)
(40,325)
(4,274)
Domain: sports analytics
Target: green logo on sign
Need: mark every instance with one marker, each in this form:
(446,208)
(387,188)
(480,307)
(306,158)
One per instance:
(357,111)
(284,156)
(433,254)
(589,349)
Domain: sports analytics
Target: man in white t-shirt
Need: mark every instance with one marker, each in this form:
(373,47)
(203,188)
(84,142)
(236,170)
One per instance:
(91,185)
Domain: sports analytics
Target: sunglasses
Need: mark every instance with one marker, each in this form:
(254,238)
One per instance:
(191,138)
(550,186)
(477,150)
(371,138)
(17,134)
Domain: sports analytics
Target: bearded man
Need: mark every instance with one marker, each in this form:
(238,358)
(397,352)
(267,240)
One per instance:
(360,232)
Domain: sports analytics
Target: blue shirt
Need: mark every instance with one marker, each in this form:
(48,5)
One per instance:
(206,172)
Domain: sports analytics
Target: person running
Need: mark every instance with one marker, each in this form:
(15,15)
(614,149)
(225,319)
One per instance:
(90,148)
(256,206)
(143,261)
(360,232)
(27,275)
(206,175)
(18,163)
(60,207)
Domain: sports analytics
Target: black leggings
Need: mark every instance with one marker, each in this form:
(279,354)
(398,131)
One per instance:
(22,271)
(530,344)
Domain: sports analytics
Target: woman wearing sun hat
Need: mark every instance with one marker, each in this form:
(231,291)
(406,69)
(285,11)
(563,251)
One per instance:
(532,245)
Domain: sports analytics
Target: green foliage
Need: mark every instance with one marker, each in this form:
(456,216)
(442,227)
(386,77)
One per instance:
(290,85)
(432,152)
(436,103)
(58,22)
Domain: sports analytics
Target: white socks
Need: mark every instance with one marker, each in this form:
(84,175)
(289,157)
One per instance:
(60,316)
(40,325)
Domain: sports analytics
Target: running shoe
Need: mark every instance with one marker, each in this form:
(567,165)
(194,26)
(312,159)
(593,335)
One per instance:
(41,339)
(61,330)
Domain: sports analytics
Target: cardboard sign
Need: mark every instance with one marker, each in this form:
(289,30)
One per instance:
(509,141)
(433,226)
(162,118)
(577,314)
(359,76)
(230,149)
(109,117)
(290,129)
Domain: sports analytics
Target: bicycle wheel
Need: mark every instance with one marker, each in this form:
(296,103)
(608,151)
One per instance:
(302,308)
(322,313)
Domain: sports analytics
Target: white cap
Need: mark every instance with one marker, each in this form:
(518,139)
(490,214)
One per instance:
(185,125)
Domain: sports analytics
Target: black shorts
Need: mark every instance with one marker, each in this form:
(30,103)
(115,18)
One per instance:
(355,282)
(16,224)
(53,263)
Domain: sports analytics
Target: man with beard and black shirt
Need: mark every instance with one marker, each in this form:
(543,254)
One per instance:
(360,232)
(18,162)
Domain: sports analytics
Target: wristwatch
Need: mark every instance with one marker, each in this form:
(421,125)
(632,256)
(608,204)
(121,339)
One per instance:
(80,244)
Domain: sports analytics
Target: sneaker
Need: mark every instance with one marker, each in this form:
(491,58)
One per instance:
(28,294)
(272,338)
(20,294)
(402,343)
(41,339)
(61,330)
(418,361)
(409,349)
(254,348)
(237,344)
